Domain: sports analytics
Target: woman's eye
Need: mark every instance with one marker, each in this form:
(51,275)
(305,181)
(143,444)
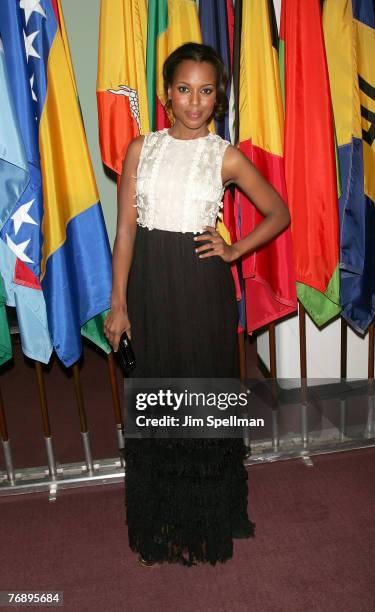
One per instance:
(207,91)
(182,88)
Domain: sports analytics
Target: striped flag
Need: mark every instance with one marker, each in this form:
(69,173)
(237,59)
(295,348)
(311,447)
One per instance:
(269,273)
(217,23)
(56,230)
(310,164)
(352,79)
(121,81)
(171,23)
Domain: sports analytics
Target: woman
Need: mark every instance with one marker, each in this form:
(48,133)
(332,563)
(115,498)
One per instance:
(174,294)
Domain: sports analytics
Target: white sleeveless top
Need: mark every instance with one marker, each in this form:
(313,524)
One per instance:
(179,186)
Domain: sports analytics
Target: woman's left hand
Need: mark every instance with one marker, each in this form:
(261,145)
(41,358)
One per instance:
(217,247)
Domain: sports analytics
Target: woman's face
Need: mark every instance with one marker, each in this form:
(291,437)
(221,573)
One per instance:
(193,93)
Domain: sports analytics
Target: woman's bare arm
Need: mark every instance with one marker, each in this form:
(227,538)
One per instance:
(236,168)
(117,320)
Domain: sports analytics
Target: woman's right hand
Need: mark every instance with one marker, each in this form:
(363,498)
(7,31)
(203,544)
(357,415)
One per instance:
(116,322)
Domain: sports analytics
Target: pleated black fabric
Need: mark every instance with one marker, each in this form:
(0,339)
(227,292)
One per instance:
(184,498)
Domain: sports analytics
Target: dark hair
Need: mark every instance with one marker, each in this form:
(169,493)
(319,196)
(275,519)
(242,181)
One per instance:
(198,53)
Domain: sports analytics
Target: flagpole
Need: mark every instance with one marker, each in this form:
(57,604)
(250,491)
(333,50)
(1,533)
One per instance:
(236,94)
(272,348)
(370,427)
(45,420)
(242,354)
(344,348)
(116,400)
(6,442)
(371,334)
(273,374)
(302,354)
(83,419)
(343,374)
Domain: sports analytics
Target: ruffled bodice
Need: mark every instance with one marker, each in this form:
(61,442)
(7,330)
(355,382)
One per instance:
(179,185)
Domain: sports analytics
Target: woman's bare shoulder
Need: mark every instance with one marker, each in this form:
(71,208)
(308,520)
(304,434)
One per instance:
(235,164)
(136,144)
(133,151)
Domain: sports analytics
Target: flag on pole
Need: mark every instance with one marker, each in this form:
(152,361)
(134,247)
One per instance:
(14,173)
(171,23)
(56,229)
(352,78)
(30,307)
(14,178)
(269,276)
(121,81)
(217,23)
(310,164)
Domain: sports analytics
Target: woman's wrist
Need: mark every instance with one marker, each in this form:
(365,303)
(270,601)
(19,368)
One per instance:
(119,307)
(235,252)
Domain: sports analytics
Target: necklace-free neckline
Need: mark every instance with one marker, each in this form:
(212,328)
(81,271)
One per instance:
(166,130)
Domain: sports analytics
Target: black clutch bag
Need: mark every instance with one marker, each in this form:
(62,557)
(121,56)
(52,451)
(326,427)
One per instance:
(125,354)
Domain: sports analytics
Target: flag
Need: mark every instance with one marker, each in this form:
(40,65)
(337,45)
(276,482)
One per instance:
(171,23)
(352,78)
(93,330)
(215,17)
(310,164)
(14,174)
(269,276)
(217,23)
(30,307)
(56,230)
(5,342)
(121,81)
(14,179)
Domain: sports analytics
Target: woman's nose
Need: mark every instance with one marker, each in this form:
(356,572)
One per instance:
(195,97)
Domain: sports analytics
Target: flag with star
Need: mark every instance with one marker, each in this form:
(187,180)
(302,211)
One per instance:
(14,173)
(55,231)
(14,178)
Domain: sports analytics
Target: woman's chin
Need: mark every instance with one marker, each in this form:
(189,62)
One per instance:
(195,123)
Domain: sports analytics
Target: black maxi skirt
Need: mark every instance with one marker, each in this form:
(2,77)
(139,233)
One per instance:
(185,499)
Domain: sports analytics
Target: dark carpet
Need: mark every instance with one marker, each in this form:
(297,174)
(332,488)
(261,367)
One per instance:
(315,537)
(314,547)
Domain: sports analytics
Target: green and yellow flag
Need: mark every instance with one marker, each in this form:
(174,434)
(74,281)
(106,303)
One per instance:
(171,23)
